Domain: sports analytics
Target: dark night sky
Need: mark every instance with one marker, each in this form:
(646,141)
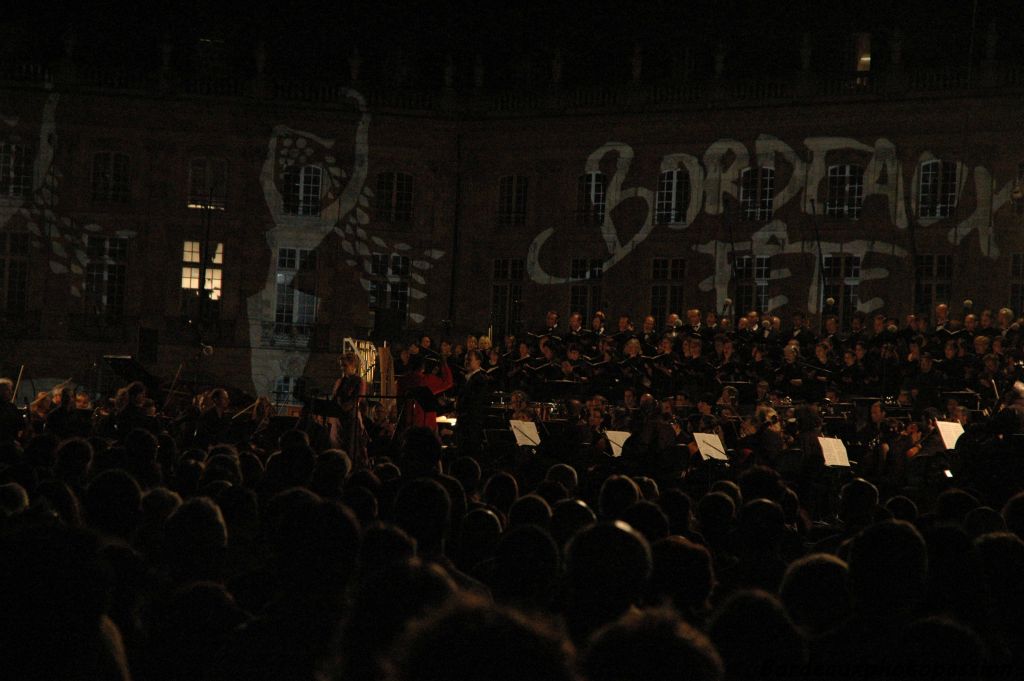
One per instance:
(313,39)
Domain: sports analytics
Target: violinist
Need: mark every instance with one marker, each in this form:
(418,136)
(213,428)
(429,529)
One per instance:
(597,425)
(259,423)
(380,430)
(12,421)
(214,422)
(346,429)
(39,409)
(63,419)
(129,411)
(872,429)
(884,462)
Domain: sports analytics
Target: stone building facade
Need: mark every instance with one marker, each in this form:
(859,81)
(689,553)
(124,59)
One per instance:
(316,213)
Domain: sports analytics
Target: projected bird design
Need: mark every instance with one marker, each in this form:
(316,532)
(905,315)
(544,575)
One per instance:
(65,238)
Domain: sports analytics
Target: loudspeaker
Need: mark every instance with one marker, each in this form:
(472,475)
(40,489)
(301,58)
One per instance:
(388,325)
(149,344)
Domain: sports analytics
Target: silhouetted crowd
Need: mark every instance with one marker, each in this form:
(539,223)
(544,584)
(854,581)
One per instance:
(133,546)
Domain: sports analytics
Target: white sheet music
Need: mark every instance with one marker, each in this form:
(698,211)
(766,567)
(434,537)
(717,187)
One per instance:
(710,446)
(526,433)
(616,438)
(834,452)
(950,432)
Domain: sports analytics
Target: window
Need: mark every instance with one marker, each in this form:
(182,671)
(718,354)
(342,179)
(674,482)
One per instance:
(1017,195)
(757,193)
(192,264)
(934,277)
(585,296)
(110,178)
(840,279)
(1017,282)
(13,272)
(389,284)
(667,275)
(15,170)
(512,201)
(937,189)
(284,387)
(507,295)
(590,200)
(394,197)
(105,274)
(294,309)
(673,198)
(845,191)
(302,190)
(207,183)
(752,273)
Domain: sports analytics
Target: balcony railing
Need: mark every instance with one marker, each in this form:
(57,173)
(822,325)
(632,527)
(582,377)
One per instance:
(184,331)
(316,337)
(677,92)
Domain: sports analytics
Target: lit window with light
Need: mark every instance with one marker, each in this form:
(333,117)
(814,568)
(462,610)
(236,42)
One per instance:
(192,265)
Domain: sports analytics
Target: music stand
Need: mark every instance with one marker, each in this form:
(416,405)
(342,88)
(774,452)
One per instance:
(710,447)
(616,439)
(525,433)
(950,432)
(834,452)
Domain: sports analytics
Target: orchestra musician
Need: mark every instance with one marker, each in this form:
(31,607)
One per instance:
(519,407)
(347,431)
(214,422)
(63,419)
(259,423)
(39,409)
(12,420)
(420,389)
(129,412)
